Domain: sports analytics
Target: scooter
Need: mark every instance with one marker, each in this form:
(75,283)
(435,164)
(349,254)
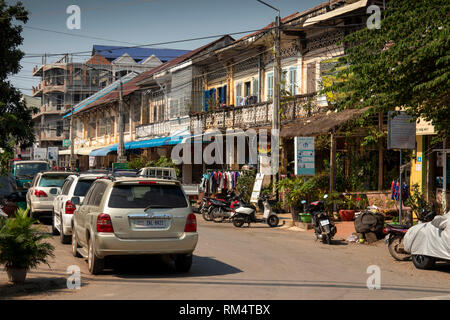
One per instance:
(396,233)
(324,229)
(245,213)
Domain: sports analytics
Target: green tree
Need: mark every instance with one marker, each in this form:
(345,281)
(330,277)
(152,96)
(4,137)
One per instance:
(15,117)
(405,63)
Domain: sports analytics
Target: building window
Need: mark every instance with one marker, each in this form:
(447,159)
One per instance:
(293,81)
(270,86)
(239,100)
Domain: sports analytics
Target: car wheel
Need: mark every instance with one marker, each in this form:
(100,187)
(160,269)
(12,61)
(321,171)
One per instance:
(423,262)
(183,262)
(95,264)
(54,230)
(75,244)
(64,239)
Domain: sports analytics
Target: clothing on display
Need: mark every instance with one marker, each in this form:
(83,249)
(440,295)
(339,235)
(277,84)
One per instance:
(216,181)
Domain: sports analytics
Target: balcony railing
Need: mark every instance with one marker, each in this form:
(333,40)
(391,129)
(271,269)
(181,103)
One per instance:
(255,115)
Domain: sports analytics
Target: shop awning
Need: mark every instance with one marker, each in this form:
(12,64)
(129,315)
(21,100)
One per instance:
(320,123)
(146,143)
(103,151)
(79,151)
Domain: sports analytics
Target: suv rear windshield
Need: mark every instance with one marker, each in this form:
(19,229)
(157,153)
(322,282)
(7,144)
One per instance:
(52,181)
(143,196)
(82,187)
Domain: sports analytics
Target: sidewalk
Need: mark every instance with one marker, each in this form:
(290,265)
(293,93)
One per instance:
(344,228)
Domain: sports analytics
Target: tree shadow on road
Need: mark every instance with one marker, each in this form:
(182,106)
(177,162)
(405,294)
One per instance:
(154,266)
(32,286)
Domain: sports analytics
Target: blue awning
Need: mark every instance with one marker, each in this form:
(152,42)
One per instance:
(103,151)
(146,143)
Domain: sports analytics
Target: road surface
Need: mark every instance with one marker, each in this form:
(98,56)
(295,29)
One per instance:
(247,263)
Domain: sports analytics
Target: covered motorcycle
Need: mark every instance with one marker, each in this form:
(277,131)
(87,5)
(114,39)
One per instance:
(428,242)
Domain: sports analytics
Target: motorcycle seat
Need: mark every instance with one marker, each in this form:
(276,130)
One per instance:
(398,226)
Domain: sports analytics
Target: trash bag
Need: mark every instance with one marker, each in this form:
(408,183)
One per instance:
(369,222)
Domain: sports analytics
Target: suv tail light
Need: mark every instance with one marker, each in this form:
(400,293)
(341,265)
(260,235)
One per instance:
(70,208)
(191,223)
(104,223)
(40,193)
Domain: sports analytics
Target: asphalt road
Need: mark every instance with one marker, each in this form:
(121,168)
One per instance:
(247,263)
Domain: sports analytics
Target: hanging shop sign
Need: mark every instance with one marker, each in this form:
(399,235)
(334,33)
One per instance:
(304,156)
(401,131)
(91,161)
(424,127)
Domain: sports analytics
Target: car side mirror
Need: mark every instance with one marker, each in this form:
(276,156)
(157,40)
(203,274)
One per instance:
(75,201)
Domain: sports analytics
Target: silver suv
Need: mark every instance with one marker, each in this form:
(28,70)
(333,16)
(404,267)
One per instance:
(134,216)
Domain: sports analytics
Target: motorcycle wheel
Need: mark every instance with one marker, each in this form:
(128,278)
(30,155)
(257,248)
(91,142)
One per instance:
(393,245)
(423,262)
(273,221)
(326,239)
(238,221)
(206,215)
(217,215)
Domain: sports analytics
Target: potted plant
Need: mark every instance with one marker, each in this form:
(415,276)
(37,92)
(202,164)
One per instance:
(21,246)
(347,214)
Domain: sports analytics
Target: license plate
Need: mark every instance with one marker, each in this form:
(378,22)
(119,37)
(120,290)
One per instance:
(151,223)
(324,222)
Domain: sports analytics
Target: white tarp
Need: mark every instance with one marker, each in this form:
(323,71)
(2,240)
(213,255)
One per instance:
(430,239)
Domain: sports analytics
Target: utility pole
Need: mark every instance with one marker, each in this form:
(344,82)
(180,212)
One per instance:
(276,92)
(121,148)
(72,158)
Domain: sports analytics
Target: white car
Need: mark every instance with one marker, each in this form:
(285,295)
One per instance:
(428,242)
(43,190)
(74,186)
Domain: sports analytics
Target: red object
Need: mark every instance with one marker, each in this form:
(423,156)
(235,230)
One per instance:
(104,223)
(40,193)
(191,223)
(70,208)
(147,182)
(347,215)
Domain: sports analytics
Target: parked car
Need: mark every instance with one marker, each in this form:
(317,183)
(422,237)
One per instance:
(429,242)
(134,216)
(10,198)
(74,186)
(25,170)
(43,190)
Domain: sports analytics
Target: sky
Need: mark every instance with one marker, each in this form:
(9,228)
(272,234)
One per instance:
(137,22)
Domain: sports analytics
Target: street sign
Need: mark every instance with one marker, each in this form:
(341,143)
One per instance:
(304,156)
(401,131)
(257,187)
(66,143)
(120,165)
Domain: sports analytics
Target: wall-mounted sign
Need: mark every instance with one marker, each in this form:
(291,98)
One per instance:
(424,128)
(39,153)
(304,156)
(53,153)
(66,143)
(401,131)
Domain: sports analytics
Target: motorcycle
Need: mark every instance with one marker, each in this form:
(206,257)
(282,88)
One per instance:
(223,210)
(245,213)
(324,229)
(396,233)
(211,204)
